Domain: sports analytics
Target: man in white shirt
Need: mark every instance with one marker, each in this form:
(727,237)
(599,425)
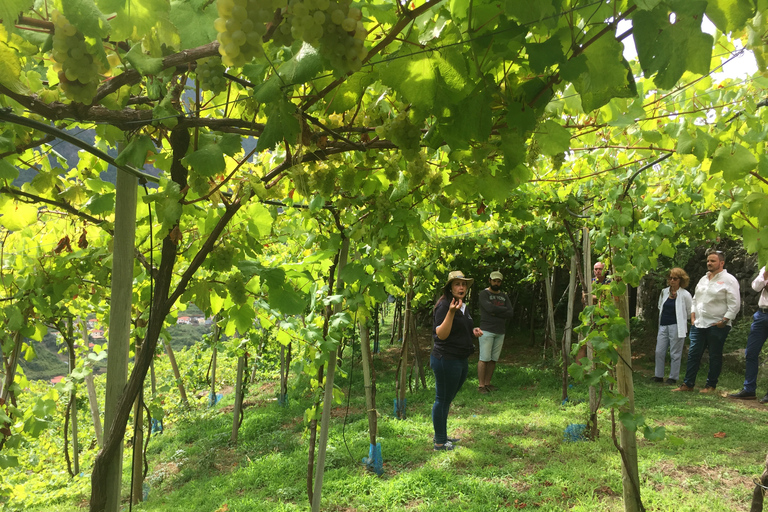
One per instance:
(716,302)
(758,333)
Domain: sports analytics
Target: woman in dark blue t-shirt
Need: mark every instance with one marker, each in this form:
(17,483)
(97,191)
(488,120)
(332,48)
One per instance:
(452,333)
(674,311)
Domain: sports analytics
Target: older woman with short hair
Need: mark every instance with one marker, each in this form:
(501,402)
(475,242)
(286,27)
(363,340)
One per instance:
(675,309)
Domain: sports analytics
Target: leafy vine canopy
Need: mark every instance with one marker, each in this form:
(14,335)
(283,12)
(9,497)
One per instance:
(377,107)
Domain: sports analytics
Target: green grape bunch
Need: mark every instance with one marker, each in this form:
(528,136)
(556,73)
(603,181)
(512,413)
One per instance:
(236,288)
(78,60)
(210,72)
(335,28)
(404,134)
(241,25)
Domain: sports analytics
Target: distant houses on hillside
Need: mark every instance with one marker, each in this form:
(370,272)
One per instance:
(97,333)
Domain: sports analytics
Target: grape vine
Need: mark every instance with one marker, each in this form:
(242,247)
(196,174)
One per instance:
(78,60)
(241,25)
(210,72)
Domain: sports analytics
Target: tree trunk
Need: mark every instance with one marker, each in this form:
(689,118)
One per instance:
(568,334)
(325,421)
(176,374)
(417,355)
(137,478)
(285,365)
(119,325)
(758,494)
(10,367)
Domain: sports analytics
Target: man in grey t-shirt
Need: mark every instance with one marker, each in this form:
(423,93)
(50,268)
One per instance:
(495,309)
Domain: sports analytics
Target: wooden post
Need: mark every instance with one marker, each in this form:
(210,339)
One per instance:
(119,321)
(550,309)
(215,349)
(238,399)
(325,421)
(73,398)
(93,400)
(368,381)
(176,373)
(401,414)
(587,250)
(568,334)
(630,473)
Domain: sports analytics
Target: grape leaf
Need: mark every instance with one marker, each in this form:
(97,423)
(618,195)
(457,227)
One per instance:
(553,138)
(730,15)
(734,160)
(194,23)
(8,461)
(207,161)
(7,171)
(142,63)
(608,75)
(88,19)
(670,49)
(281,125)
(10,9)
(101,203)
(654,433)
(631,421)
(546,54)
(10,67)
(17,216)
(135,153)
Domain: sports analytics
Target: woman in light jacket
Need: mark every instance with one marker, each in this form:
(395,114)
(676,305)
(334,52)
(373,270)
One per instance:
(675,309)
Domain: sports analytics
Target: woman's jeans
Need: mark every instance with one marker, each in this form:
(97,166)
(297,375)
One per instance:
(450,375)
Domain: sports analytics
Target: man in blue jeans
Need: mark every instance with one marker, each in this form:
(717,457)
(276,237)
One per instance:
(716,302)
(758,333)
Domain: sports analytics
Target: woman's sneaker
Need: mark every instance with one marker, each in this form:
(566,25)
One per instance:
(447,446)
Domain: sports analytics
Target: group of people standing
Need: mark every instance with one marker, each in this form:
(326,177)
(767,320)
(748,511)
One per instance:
(711,310)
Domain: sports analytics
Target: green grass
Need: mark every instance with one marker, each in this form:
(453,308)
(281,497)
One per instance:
(512,453)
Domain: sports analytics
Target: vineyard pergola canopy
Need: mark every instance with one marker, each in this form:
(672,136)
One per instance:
(409,132)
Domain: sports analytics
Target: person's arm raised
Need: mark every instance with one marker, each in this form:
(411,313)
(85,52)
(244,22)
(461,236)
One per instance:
(444,329)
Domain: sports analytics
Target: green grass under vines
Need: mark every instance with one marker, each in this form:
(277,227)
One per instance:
(513,454)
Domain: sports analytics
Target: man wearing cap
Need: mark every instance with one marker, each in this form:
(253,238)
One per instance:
(758,333)
(495,309)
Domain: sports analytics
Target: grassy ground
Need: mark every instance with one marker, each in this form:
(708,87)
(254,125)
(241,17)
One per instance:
(513,453)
